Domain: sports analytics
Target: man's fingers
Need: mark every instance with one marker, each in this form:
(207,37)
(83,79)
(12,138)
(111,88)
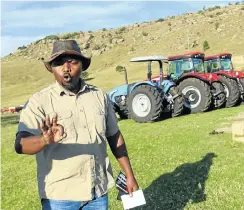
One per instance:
(48,123)
(54,120)
(42,127)
(60,130)
(129,191)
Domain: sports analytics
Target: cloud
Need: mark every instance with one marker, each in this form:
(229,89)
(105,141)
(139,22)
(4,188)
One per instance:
(63,16)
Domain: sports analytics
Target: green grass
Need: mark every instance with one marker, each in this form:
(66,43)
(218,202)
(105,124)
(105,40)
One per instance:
(176,162)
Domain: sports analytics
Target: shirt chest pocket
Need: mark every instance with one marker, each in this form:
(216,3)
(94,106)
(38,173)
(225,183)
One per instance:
(100,120)
(65,118)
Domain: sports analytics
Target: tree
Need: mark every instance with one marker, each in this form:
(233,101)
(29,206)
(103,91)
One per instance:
(205,45)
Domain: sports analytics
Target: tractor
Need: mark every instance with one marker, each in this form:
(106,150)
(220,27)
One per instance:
(233,80)
(201,90)
(146,101)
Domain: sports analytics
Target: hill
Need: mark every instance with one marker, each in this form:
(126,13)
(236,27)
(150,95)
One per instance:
(23,72)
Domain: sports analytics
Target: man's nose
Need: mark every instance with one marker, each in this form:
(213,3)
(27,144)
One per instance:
(67,66)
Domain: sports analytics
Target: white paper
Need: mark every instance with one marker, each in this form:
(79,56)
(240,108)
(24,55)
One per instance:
(137,199)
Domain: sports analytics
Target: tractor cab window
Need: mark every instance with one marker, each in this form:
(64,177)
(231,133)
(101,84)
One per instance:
(186,65)
(178,67)
(207,66)
(226,64)
(214,65)
(198,65)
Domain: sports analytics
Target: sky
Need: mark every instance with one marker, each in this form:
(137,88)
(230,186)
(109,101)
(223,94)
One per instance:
(23,22)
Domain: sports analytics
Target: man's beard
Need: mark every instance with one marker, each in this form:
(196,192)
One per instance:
(71,85)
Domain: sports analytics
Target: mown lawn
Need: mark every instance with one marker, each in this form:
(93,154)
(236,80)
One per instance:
(176,162)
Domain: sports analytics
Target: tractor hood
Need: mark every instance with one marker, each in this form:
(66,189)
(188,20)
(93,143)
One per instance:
(231,74)
(238,74)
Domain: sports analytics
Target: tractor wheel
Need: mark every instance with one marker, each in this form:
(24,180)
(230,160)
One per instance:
(145,104)
(242,89)
(220,100)
(197,95)
(232,91)
(178,101)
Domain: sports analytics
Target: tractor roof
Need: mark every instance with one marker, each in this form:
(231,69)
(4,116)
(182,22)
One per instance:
(149,58)
(223,55)
(187,55)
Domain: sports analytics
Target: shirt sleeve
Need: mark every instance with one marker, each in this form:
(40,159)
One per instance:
(111,118)
(31,116)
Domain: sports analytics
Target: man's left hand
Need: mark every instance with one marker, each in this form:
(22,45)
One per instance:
(131,184)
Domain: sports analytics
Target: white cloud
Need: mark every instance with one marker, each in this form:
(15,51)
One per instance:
(62,16)
(10,43)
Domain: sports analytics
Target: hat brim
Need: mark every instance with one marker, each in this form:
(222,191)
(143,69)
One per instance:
(85,60)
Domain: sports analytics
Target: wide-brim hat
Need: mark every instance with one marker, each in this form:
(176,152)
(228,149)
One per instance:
(67,47)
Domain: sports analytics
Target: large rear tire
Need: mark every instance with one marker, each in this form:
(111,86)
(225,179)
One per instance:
(145,104)
(220,100)
(242,88)
(197,95)
(232,91)
(178,101)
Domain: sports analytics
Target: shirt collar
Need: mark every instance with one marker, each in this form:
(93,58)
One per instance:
(61,90)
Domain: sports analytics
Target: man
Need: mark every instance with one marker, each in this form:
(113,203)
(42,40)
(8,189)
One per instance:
(67,126)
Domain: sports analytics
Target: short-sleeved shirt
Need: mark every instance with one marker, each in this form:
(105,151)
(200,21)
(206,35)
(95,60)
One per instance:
(72,168)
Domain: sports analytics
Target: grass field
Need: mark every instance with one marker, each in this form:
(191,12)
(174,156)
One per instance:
(177,163)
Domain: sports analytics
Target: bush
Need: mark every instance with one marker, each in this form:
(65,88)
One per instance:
(160,20)
(104,29)
(69,35)
(242,8)
(36,42)
(213,8)
(216,25)
(52,37)
(201,12)
(169,23)
(22,48)
(121,30)
(219,13)
(144,33)
(84,75)
(205,45)
(119,68)
(211,16)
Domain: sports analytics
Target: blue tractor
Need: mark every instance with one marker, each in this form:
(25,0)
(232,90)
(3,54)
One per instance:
(146,101)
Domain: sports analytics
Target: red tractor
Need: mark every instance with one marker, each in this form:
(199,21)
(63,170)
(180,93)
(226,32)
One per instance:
(201,90)
(232,80)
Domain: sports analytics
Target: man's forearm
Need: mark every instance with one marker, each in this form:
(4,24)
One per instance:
(119,150)
(29,145)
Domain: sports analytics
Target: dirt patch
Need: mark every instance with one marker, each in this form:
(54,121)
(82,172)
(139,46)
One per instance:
(226,126)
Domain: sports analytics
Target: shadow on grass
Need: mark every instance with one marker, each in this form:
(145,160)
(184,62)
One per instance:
(9,120)
(172,191)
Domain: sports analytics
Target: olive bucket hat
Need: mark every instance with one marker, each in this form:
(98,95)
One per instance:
(67,47)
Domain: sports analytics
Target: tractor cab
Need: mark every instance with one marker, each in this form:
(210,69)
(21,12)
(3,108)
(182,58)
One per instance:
(189,63)
(218,62)
(221,65)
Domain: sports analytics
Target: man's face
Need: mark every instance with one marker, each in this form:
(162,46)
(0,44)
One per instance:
(67,70)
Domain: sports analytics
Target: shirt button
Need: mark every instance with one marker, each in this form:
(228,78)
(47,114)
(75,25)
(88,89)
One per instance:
(85,127)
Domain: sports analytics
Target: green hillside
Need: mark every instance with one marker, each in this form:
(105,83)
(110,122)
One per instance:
(23,72)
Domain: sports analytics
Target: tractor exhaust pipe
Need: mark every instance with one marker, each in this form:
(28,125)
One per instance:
(126,78)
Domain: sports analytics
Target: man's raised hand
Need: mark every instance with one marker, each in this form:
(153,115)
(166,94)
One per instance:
(51,131)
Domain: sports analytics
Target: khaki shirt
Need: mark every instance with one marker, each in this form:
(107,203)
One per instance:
(72,168)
